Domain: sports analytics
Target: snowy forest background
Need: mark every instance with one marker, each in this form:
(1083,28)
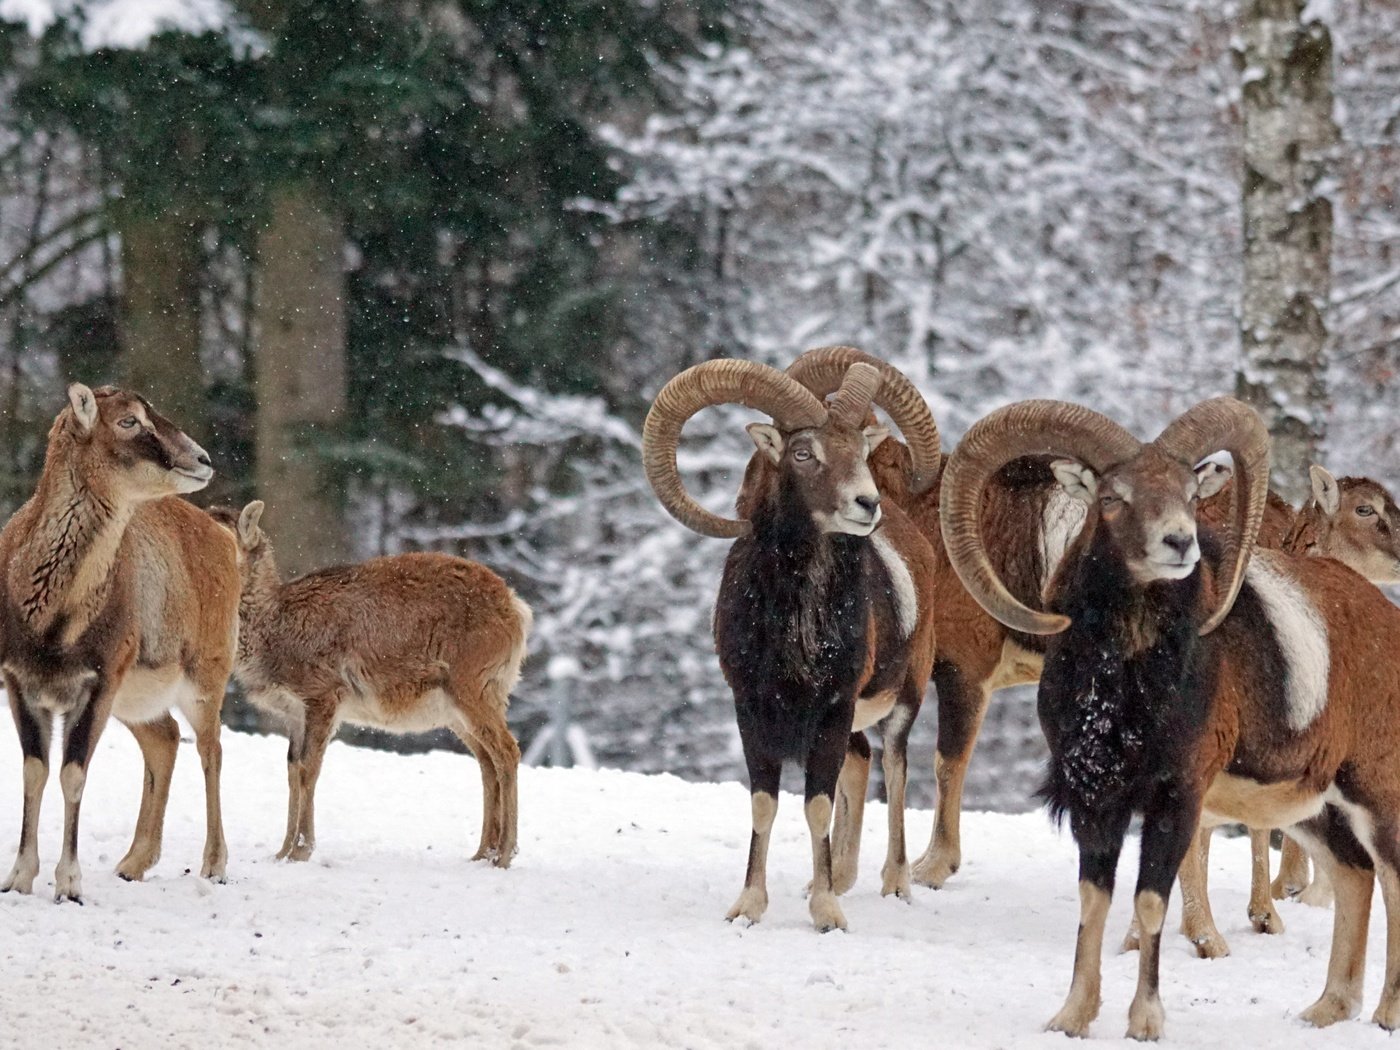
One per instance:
(411,269)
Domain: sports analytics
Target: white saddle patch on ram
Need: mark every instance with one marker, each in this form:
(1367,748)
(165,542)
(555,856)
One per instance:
(1060,523)
(1301,634)
(906,599)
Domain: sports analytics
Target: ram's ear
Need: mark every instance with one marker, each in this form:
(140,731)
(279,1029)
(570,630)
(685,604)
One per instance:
(248,533)
(1325,490)
(1211,477)
(873,436)
(1076,479)
(768,439)
(84,403)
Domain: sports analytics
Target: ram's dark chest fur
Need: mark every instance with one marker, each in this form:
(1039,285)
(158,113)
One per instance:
(792,627)
(1125,692)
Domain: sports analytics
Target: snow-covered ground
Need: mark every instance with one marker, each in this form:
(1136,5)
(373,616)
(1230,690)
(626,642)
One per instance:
(607,931)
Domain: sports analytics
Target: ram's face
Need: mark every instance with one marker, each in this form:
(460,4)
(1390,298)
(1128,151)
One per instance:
(827,469)
(1148,505)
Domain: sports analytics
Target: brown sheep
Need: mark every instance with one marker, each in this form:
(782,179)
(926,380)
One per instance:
(404,643)
(120,600)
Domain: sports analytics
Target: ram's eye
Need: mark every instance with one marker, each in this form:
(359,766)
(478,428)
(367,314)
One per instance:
(1365,510)
(1109,500)
(802,455)
(129,422)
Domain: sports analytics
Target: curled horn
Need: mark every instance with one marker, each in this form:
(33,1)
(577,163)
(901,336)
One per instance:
(824,369)
(858,389)
(1224,423)
(747,383)
(1022,429)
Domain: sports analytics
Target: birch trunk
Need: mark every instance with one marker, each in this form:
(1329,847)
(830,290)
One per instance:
(1289,134)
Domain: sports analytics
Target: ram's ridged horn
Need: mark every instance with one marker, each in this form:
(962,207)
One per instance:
(1224,423)
(1022,429)
(747,383)
(822,371)
(852,400)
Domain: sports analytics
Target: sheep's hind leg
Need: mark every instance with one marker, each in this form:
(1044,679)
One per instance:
(1336,851)
(895,874)
(1197,921)
(159,741)
(961,708)
(850,813)
(1262,913)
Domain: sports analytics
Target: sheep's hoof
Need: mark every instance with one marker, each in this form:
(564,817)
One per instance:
(1075,1018)
(826,913)
(895,879)
(1146,1020)
(1266,921)
(1207,939)
(1282,890)
(751,905)
(1330,1009)
(1387,1014)
(935,868)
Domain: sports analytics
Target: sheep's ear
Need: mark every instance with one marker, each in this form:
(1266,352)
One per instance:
(1211,477)
(84,403)
(1076,479)
(1325,490)
(768,439)
(248,523)
(873,437)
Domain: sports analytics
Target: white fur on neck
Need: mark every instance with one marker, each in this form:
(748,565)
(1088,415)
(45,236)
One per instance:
(906,600)
(1301,634)
(1060,523)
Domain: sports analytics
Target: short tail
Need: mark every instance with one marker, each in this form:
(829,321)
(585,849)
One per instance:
(502,679)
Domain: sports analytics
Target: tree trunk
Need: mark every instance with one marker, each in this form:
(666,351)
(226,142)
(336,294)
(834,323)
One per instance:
(300,374)
(160,315)
(1289,134)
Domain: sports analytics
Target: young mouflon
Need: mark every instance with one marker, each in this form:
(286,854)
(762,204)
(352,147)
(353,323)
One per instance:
(404,643)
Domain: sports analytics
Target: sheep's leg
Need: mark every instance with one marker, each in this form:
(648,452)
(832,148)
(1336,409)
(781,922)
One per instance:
(1387,1013)
(504,753)
(895,875)
(482,705)
(1336,851)
(1169,832)
(80,735)
(1096,873)
(159,741)
(850,813)
(961,707)
(491,816)
(296,753)
(1197,921)
(207,729)
(1318,893)
(320,724)
(34,729)
(764,776)
(1292,871)
(823,771)
(1261,903)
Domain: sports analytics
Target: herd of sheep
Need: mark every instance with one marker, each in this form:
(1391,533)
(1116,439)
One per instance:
(1205,652)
